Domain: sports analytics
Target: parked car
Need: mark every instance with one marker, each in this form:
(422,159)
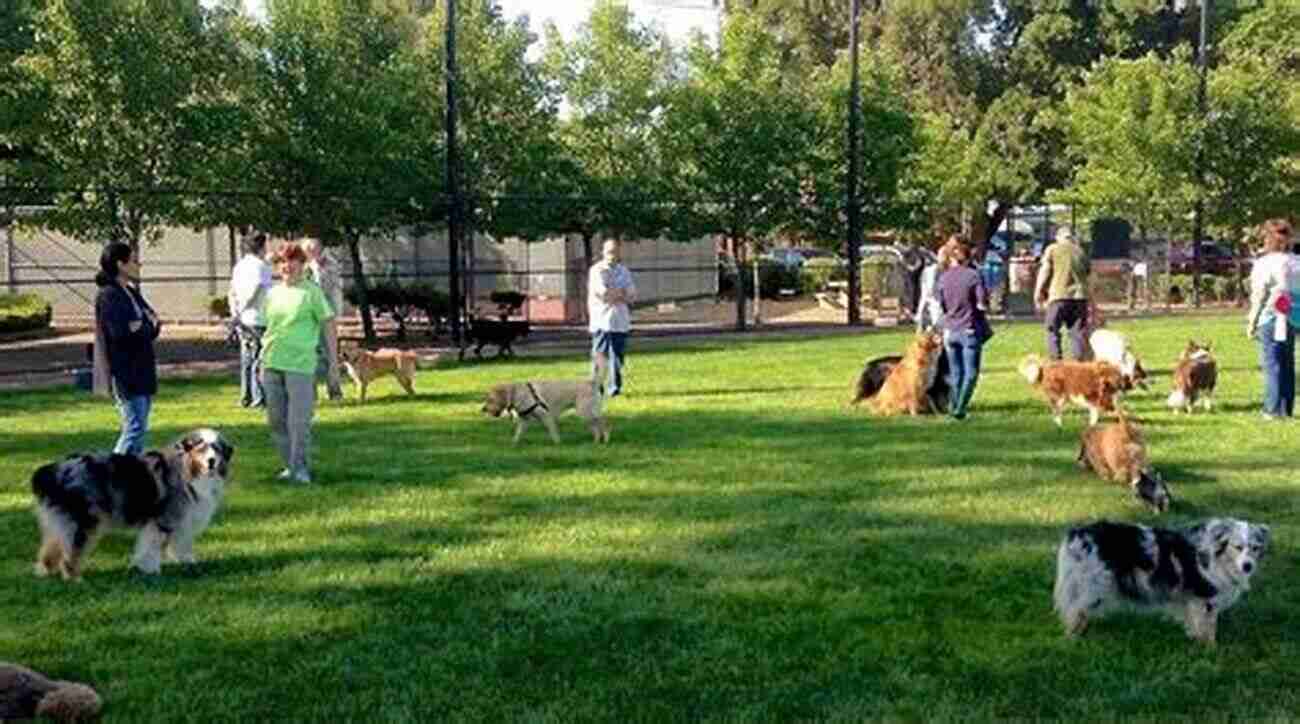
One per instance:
(1215,259)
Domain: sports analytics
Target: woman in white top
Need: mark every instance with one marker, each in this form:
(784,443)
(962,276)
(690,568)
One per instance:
(1275,276)
(929,312)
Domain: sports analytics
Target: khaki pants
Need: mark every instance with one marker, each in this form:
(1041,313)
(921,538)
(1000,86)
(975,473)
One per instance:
(290,406)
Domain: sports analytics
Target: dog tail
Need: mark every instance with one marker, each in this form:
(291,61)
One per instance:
(1031,368)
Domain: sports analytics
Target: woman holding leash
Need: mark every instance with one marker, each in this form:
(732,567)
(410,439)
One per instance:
(125,330)
(966,326)
(296,315)
(1274,284)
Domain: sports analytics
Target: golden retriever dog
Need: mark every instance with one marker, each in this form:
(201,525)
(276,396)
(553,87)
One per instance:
(545,401)
(906,389)
(1194,378)
(364,366)
(1094,385)
(1117,451)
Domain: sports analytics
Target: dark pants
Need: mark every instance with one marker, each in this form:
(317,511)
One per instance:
(964,351)
(333,387)
(1277,360)
(611,346)
(250,366)
(1073,315)
(911,290)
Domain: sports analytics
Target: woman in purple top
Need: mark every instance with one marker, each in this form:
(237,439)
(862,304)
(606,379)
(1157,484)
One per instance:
(965,325)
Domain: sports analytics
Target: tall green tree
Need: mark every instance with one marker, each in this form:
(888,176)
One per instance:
(1128,129)
(739,136)
(342,132)
(123,112)
(614,76)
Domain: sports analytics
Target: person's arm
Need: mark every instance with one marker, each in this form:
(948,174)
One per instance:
(1259,293)
(629,291)
(329,327)
(596,288)
(1044,277)
(981,294)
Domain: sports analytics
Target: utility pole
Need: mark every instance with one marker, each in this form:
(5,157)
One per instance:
(453,180)
(854,241)
(1199,210)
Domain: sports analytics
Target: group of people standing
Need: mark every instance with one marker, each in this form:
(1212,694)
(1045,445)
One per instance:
(288,337)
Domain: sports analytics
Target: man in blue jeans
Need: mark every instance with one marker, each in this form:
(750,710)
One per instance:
(610,291)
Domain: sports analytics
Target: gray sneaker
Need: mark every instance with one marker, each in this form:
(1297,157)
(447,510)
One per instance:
(302,476)
(285,474)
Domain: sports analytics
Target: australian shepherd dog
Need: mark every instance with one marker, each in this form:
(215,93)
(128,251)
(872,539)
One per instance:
(877,370)
(1194,573)
(1194,378)
(168,496)
(1094,385)
(1117,451)
(906,389)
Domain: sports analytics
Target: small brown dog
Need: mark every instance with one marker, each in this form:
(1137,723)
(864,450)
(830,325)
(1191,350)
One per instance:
(1194,378)
(1117,451)
(906,388)
(1094,385)
(364,366)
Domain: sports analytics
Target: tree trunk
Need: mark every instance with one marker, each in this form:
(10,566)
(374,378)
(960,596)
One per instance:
(234,252)
(588,260)
(359,281)
(740,285)
(758,286)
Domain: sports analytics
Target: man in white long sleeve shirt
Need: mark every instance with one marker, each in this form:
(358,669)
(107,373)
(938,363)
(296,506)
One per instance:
(249,282)
(610,291)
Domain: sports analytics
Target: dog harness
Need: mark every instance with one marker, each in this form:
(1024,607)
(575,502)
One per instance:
(537,402)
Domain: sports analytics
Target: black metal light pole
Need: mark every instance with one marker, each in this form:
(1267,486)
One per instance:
(453,180)
(854,241)
(1199,210)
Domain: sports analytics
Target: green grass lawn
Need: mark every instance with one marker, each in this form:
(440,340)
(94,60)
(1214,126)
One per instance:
(747,547)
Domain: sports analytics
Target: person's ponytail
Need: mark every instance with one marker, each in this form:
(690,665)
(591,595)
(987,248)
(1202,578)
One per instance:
(114,253)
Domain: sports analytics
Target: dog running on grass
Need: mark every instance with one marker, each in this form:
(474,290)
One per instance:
(1094,385)
(906,389)
(1117,451)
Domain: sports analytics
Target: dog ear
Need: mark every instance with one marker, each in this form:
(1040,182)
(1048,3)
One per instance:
(1261,535)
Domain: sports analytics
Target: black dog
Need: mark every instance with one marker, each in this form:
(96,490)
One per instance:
(877,370)
(501,333)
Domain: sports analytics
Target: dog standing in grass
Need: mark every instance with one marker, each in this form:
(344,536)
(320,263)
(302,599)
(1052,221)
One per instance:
(1194,378)
(364,366)
(1094,385)
(545,400)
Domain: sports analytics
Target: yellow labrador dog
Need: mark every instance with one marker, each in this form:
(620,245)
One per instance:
(546,401)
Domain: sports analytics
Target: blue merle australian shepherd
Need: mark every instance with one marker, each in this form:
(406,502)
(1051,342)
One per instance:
(1194,573)
(169,496)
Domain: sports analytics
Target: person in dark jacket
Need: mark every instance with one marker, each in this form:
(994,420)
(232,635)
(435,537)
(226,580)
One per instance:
(125,330)
(966,326)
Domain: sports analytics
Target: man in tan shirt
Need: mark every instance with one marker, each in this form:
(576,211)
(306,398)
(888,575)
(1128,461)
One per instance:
(1063,288)
(325,272)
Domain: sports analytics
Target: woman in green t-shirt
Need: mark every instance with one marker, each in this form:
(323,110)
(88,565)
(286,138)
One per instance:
(296,313)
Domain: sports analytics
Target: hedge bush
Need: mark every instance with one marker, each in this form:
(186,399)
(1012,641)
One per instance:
(403,301)
(24,312)
(820,271)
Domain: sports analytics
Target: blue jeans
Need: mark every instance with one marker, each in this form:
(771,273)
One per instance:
(1277,360)
(964,351)
(610,346)
(250,366)
(135,423)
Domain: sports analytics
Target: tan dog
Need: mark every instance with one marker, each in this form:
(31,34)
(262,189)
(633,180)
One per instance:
(1194,378)
(546,401)
(364,366)
(1094,385)
(1118,452)
(905,389)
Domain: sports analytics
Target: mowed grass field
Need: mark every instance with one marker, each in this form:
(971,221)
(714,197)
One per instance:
(747,548)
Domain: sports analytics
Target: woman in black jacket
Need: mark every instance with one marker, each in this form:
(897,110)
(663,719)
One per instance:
(125,329)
